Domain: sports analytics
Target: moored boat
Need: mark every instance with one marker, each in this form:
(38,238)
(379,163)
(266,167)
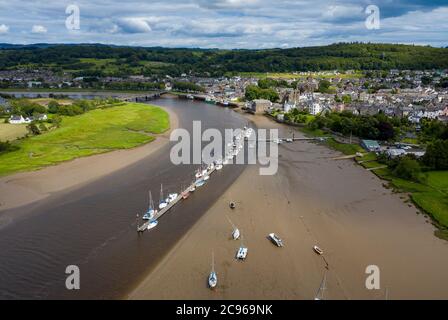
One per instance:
(213,277)
(162,203)
(276,240)
(318,250)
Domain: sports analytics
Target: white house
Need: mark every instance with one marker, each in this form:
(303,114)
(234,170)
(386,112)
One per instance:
(315,108)
(18,120)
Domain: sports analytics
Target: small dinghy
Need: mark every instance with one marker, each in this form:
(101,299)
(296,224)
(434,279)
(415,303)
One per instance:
(232,205)
(152,224)
(318,250)
(275,240)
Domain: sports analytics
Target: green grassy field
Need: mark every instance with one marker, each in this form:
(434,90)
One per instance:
(431,195)
(11,132)
(97,131)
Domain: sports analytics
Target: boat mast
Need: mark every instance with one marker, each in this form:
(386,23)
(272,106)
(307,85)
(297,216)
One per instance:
(213,261)
(320,292)
(151,204)
(161,193)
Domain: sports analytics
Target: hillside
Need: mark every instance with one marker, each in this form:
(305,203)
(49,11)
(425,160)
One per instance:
(103,60)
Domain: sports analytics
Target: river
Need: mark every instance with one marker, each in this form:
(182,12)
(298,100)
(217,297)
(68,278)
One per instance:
(94,226)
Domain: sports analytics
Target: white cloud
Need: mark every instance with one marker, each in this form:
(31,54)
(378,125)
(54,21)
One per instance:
(38,29)
(226,23)
(134,25)
(4,28)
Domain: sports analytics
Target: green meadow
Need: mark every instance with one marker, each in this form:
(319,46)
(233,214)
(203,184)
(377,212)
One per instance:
(431,195)
(98,131)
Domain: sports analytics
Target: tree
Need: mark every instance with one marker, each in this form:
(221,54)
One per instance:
(408,169)
(254,92)
(436,156)
(385,130)
(33,129)
(53,106)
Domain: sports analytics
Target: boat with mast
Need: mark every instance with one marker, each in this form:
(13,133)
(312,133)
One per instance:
(235,232)
(151,211)
(213,277)
(320,292)
(162,202)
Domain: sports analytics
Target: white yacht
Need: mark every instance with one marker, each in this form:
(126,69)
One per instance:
(213,277)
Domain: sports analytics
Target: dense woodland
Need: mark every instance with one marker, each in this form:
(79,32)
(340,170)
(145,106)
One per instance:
(81,59)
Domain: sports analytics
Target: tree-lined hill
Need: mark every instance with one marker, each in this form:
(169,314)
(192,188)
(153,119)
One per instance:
(100,60)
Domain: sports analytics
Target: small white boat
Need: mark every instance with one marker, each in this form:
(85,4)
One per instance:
(289,140)
(318,250)
(276,240)
(241,254)
(206,177)
(192,188)
(162,205)
(218,167)
(152,224)
(213,277)
(232,205)
(199,183)
(236,234)
(172,196)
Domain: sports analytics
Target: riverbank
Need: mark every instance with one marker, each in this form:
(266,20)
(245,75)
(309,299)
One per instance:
(27,187)
(313,199)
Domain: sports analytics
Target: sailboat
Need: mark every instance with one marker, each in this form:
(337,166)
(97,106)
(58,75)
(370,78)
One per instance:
(236,232)
(151,211)
(320,292)
(162,203)
(212,278)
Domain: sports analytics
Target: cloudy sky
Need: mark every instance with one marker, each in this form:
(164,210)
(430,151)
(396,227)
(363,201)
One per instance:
(224,23)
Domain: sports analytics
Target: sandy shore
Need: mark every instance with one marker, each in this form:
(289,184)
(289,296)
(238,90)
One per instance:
(311,200)
(27,187)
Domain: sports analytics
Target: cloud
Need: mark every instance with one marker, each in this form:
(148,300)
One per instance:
(38,29)
(133,25)
(226,23)
(4,28)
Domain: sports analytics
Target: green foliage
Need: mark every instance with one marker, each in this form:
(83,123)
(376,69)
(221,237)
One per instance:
(255,92)
(33,129)
(436,156)
(7,147)
(101,60)
(376,127)
(325,87)
(187,86)
(26,108)
(408,169)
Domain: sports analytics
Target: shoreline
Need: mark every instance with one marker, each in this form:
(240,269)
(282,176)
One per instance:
(359,225)
(24,188)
